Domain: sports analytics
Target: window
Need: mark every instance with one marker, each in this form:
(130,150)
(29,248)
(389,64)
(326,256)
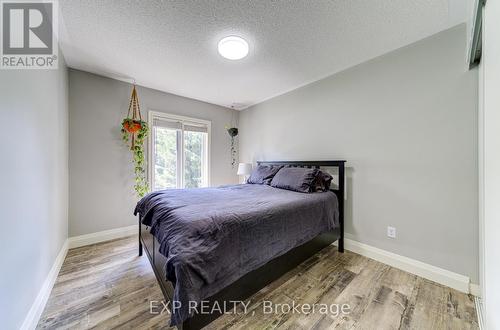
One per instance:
(180,151)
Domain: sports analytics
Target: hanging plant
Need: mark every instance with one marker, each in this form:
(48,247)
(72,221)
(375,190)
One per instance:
(233,132)
(134,131)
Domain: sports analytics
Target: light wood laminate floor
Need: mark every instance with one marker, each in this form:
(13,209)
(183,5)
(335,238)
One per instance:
(106,286)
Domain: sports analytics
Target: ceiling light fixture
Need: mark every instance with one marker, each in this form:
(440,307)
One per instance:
(233,48)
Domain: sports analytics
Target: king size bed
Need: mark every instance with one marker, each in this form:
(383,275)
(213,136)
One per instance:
(223,244)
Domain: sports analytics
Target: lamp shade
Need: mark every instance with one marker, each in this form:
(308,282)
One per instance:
(244,169)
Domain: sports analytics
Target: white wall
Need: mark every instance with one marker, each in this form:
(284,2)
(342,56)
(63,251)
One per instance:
(34,184)
(406,123)
(491,87)
(101,177)
(480,146)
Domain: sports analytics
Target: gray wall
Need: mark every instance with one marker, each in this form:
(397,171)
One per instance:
(406,122)
(101,177)
(34,190)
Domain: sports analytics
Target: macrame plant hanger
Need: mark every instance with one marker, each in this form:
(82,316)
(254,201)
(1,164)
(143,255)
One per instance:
(135,126)
(135,131)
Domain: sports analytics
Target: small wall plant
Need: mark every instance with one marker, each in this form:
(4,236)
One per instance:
(233,132)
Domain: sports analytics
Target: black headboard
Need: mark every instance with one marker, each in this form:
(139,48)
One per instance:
(340,164)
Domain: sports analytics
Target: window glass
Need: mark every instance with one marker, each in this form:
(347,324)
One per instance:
(165,158)
(194,154)
(179,157)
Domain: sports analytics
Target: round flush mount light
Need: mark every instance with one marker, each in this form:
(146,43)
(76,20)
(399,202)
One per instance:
(233,48)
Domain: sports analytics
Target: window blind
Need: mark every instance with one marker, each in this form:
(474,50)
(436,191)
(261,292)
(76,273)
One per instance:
(167,123)
(192,127)
(196,128)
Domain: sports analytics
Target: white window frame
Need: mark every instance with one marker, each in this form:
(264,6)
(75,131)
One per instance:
(152,115)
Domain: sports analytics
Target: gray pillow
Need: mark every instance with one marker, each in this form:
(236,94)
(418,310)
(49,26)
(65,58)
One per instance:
(263,174)
(295,178)
(322,181)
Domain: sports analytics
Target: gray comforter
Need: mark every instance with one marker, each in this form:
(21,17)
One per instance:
(213,236)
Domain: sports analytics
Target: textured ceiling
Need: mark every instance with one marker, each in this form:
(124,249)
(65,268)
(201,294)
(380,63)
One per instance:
(172,45)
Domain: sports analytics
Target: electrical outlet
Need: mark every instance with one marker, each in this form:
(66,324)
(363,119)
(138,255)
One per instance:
(391,232)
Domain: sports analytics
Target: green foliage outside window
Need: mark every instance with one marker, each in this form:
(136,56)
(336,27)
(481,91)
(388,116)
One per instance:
(165,166)
(193,153)
(165,158)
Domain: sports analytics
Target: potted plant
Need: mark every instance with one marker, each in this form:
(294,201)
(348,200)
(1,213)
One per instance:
(131,125)
(135,131)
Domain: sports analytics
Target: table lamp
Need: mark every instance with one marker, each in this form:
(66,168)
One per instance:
(244,169)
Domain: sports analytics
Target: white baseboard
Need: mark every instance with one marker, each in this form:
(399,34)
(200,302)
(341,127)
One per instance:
(475,289)
(439,275)
(479,311)
(102,236)
(36,310)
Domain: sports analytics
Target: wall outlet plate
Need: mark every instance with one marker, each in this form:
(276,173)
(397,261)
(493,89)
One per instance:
(391,232)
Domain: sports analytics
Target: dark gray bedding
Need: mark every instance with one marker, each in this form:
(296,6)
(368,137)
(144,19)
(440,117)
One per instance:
(213,236)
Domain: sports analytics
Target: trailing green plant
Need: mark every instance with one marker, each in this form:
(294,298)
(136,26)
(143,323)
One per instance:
(136,136)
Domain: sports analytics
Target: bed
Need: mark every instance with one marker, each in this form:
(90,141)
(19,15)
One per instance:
(223,244)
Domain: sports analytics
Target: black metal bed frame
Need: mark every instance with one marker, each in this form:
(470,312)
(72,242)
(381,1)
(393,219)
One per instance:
(257,279)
